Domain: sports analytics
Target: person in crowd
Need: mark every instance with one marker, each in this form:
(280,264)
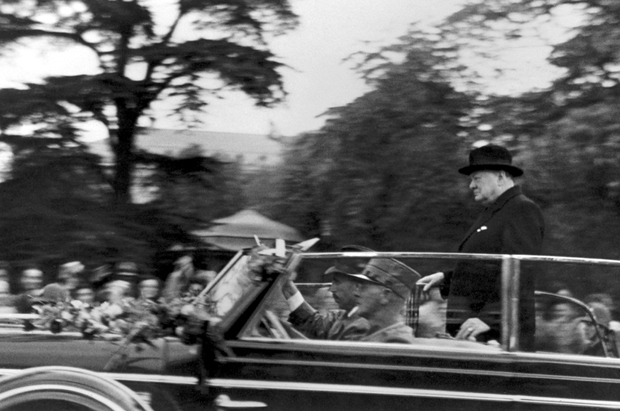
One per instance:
(343,323)
(178,280)
(98,279)
(122,283)
(53,293)
(205,272)
(593,336)
(6,300)
(511,223)
(31,279)
(5,276)
(85,293)
(31,282)
(557,327)
(385,289)
(149,288)
(69,276)
(196,285)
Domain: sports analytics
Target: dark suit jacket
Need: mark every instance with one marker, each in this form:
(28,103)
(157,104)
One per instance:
(513,224)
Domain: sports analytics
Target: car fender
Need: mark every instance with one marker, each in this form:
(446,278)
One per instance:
(67,384)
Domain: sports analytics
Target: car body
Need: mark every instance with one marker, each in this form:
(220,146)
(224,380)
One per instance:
(251,357)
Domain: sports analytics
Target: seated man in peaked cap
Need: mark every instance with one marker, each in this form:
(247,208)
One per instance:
(386,286)
(340,324)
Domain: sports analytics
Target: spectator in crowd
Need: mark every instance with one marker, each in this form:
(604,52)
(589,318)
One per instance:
(85,293)
(178,280)
(560,288)
(591,333)
(5,277)
(30,281)
(382,297)
(149,288)
(53,293)
(6,300)
(69,275)
(122,283)
(197,284)
(608,302)
(99,278)
(557,327)
(205,272)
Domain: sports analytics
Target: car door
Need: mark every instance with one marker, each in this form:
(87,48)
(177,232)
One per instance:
(267,365)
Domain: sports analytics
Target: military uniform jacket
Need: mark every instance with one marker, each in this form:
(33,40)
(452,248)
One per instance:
(329,325)
(395,333)
(513,224)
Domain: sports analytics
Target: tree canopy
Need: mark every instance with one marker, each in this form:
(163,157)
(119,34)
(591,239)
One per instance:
(141,60)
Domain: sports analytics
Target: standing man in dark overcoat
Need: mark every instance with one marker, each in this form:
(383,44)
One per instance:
(511,223)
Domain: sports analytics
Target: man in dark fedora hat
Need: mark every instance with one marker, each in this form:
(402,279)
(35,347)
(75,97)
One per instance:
(341,324)
(511,223)
(387,284)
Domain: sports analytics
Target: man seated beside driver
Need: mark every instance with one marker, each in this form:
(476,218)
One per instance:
(340,324)
(386,286)
(371,304)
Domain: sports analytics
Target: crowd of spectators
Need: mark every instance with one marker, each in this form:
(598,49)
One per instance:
(108,283)
(564,327)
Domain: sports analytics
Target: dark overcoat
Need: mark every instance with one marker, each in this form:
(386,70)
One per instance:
(513,224)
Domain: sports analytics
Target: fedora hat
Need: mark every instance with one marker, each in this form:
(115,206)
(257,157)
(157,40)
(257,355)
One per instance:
(490,157)
(391,274)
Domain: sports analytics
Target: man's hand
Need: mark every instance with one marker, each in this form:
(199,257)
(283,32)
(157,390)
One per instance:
(471,328)
(430,281)
(289,288)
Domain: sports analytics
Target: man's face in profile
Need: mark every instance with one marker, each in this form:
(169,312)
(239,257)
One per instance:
(485,186)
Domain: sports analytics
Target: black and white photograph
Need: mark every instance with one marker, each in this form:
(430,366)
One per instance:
(309,205)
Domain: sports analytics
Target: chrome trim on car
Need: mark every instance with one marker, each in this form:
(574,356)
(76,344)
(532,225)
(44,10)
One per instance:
(146,378)
(463,256)
(408,392)
(413,369)
(425,350)
(61,388)
(150,378)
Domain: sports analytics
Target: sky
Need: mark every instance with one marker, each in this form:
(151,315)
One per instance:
(330,31)
(316,79)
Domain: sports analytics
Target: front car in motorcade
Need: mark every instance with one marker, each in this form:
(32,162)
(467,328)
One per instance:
(250,356)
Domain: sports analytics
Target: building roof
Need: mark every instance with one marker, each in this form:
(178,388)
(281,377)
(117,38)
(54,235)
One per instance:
(238,230)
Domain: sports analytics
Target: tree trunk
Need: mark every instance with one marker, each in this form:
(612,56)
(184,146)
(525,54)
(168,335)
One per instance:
(127,120)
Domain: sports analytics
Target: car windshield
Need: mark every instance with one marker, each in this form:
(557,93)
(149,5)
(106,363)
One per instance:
(232,284)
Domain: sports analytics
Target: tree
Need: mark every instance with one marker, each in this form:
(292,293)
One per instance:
(583,36)
(125,37)
(181,189)
(382,171)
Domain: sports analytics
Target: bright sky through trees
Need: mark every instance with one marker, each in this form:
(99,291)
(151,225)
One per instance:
(316,78)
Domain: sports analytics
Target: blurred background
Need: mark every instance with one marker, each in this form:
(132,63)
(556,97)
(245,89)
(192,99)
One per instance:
(130,128)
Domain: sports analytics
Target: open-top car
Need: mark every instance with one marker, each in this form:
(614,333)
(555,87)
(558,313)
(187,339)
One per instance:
(248,355)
